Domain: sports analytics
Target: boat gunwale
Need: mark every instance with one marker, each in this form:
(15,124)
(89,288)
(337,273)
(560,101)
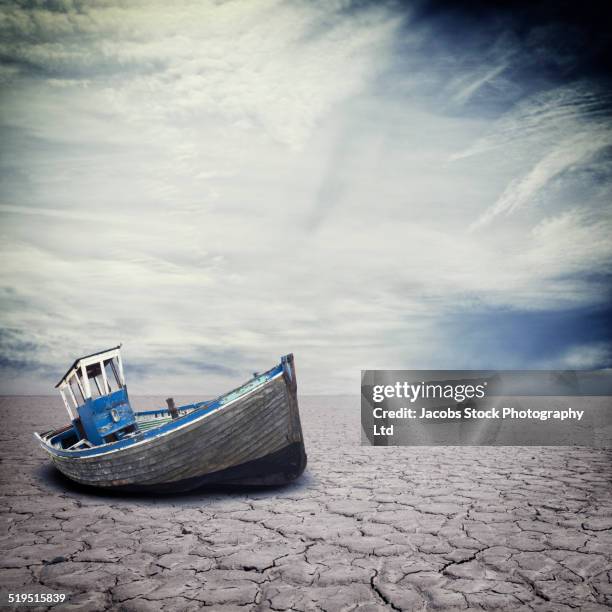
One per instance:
(155,432)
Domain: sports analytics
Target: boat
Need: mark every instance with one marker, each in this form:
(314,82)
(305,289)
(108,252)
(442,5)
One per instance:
(249,436)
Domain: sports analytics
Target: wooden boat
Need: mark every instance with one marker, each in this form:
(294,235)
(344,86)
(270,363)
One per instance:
(249,436)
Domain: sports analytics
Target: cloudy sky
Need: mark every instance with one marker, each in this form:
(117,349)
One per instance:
(367,185)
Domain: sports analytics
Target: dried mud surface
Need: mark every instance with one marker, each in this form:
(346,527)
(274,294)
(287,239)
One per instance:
(364,529)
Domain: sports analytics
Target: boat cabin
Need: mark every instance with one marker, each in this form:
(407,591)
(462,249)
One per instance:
(96,398)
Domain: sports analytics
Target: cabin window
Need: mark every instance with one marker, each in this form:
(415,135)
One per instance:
(112,372)
(98,379)
(107,373)
(78,378)
(115,369)
(76,390)
(97,386)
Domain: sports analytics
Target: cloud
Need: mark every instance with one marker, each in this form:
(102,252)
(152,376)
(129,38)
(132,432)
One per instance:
(468,86)
(571,243)
(51,212)
(540,120)
(259,65)
(216,184)
(587,357)
(568,154)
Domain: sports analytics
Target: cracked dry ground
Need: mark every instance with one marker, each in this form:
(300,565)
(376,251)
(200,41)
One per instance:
(364,529)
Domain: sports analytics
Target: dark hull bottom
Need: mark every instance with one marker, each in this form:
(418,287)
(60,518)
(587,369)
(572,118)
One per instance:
(278,468)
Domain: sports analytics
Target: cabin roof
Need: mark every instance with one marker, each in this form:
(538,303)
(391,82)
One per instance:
(77,362)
